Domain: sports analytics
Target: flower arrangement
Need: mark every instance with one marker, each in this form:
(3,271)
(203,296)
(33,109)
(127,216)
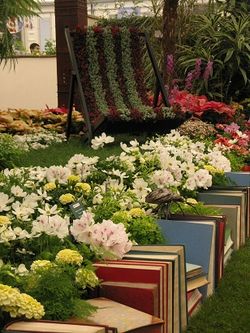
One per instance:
(110,62)
(45,244)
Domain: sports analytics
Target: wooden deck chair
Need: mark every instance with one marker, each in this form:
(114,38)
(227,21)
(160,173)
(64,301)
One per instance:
(107,69)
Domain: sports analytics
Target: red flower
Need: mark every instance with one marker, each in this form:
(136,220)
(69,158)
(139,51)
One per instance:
(97,28)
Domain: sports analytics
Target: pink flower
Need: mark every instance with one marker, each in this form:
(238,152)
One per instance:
(233,127)
(112,237)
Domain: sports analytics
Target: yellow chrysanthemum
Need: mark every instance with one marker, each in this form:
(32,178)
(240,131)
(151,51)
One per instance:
(29,307)
(211,169)
(84,187)
(38,264)
(4,220)
(73,179)
(49,186)
(66,198)
(86,278)
(19,304)
(8,295)
(137,212)
(68,256)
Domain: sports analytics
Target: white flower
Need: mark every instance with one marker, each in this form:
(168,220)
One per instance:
(100,141)
(97,199)
(21,270)
(21,233)
(81,228)
(17,191)
(49,210)
(58,174)
(21,211)
(140,188)
(7,235)
(51,225)
(200,179)
(162,178)
(4,201)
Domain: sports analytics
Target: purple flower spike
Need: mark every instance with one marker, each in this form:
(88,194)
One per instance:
(188,81)
(170,64)
(208,70)
(197,70)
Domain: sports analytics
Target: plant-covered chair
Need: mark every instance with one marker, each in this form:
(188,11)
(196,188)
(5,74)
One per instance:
(107,68)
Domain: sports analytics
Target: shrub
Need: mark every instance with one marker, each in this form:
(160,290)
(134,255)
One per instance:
(9,151)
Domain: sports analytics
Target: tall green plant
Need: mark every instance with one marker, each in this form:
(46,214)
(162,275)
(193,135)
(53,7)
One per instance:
(15,10)
(224,40)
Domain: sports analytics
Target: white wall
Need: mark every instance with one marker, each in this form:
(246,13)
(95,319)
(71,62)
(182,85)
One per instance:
(32,84)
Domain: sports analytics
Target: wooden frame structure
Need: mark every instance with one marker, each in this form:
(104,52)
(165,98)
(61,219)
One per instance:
(76,81)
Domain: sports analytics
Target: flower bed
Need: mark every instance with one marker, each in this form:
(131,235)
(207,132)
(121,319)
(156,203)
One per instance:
(47,249)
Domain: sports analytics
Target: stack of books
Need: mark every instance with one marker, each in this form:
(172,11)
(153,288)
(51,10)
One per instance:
(150,279)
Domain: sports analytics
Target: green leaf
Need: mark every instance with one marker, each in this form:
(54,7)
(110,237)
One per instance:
(244,74)
(229,55)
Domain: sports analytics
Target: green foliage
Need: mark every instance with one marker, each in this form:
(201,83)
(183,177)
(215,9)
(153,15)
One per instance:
(54,289)
(13,9)
(237,161)
(50,47)
(225,40)
(193,209)
(145,231)
(9,152)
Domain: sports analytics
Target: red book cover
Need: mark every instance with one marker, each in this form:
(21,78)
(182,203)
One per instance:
(143,272)
(194,297)
(141,296)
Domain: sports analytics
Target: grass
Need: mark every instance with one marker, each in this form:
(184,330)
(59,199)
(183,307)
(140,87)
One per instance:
(60,153)
(228,310)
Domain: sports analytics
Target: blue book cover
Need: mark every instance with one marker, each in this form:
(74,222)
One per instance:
(239,178)
(199,242)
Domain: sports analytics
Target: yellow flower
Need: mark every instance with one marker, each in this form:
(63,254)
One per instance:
(29,307)
(8,295)
(40,264)
(122,216)
(68,256)
(19,304)
(66,198)
(137,212)
(73,178)
(86,278)
(191,201)
(49,186)
(211,169)
(4,220)
(85,187)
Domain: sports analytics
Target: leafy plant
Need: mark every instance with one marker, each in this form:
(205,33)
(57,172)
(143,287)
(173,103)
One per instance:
(50,47)
(13,9)
(225,41)
(9,151)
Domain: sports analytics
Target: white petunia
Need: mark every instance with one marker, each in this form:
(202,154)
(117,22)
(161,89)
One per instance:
(100,141)
(5,200)
(17,191)
(58,174)
(140,188)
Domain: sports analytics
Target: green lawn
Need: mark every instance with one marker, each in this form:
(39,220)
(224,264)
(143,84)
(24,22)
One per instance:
(60,153)
(228,310)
